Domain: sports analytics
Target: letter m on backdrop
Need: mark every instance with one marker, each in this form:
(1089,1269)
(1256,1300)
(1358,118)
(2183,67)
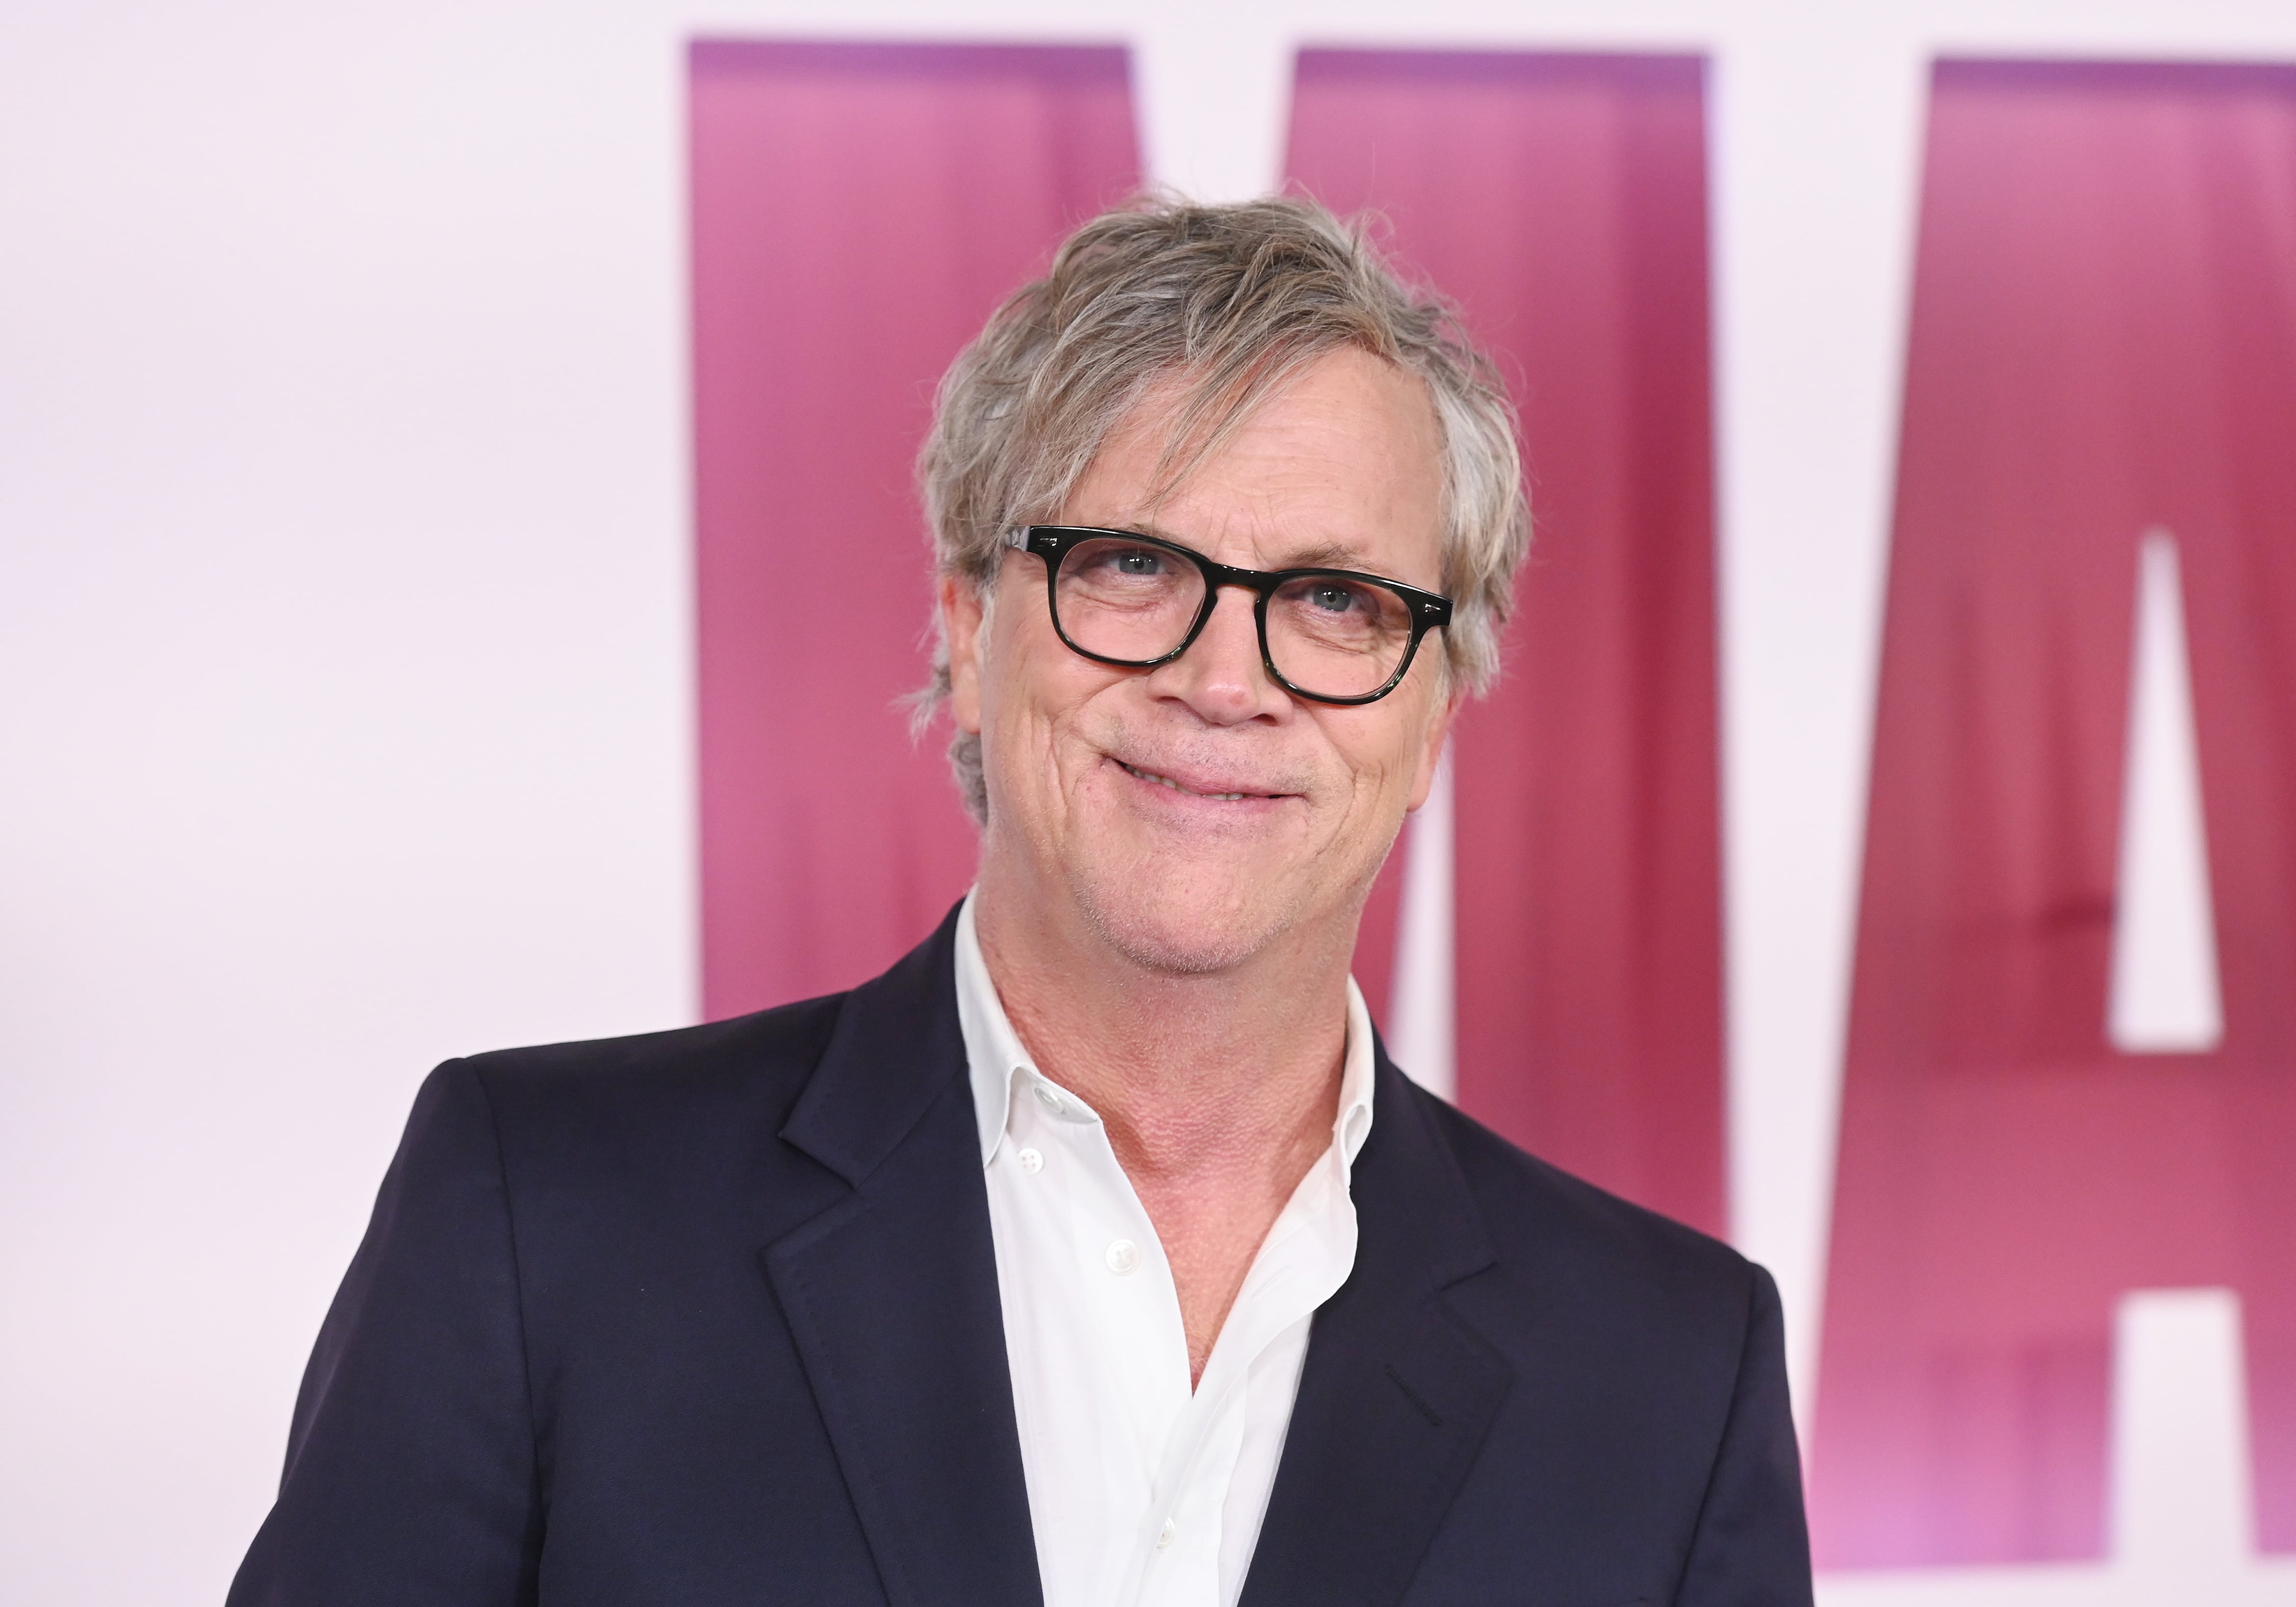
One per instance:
(2103,344)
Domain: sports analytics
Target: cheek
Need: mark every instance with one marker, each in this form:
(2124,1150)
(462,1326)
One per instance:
(1384,753)
(1034,692)
(1007,667)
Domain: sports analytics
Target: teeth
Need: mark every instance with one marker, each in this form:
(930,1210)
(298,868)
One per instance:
(1166,781)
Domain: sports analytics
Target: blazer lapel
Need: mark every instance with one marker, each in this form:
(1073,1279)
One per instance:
(1397,1392)
(891,1294)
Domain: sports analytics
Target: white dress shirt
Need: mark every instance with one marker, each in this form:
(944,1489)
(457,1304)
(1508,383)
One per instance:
(1142,1492)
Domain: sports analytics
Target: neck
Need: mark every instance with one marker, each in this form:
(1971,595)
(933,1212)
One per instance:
(1197,1076)
(1217,1090)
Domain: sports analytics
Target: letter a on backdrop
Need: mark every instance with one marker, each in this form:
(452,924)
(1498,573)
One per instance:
(2102,348)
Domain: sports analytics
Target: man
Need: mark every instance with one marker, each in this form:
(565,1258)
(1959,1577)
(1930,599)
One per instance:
(1094,1254)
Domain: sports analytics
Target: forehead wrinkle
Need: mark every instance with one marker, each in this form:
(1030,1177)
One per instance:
(1282,509)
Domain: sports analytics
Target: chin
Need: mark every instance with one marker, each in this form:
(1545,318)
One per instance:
(1185,932)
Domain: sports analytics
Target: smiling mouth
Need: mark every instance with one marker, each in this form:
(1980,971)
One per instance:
(1166,781)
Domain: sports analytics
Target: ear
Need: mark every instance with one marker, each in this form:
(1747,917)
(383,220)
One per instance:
(961,614)
(1431,752)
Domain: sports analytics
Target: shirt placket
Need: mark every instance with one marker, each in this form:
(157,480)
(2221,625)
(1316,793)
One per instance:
(1292,1276)
(1170,1452)
(1125,1287)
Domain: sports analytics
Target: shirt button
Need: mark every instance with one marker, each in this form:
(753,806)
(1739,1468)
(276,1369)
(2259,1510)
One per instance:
(1123,1255)
(1050,1101)
(1165,1538)
(1032,1162)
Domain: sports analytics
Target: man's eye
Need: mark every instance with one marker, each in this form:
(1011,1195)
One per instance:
(1122,563)
(1332,598)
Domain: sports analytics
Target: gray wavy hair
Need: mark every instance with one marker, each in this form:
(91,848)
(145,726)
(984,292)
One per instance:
(1224,306)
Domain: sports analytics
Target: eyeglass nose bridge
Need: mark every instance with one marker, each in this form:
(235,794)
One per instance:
(1219,577)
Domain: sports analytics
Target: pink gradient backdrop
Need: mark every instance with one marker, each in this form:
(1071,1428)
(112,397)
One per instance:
(1561,200)
(858,211)
(2104,339)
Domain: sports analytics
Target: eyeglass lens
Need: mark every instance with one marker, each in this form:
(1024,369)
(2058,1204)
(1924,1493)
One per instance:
(1328,636)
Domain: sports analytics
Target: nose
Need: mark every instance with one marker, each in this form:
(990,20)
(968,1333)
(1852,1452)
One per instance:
(1221,676)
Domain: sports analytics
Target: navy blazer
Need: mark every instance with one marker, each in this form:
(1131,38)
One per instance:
(711,1316)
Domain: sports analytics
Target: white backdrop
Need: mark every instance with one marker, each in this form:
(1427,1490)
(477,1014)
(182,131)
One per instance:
(344,647)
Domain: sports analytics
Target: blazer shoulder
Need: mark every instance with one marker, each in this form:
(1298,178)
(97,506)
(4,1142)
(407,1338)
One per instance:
(759,1060)
(1537,1212)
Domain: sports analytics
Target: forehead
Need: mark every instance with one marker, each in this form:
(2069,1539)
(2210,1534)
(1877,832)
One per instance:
(1342,464)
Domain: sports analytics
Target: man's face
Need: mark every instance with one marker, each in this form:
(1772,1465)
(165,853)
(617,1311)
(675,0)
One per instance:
(1104,783)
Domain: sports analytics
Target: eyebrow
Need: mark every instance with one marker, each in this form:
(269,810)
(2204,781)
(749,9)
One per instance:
(1316,555)
(1325,555)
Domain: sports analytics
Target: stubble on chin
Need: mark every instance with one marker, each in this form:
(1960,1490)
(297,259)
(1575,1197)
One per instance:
(1167,916)
(1141,926)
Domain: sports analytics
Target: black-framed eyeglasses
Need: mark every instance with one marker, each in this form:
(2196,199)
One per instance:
(1331,635)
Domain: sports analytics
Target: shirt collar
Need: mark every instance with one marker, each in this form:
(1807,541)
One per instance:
(995,1057)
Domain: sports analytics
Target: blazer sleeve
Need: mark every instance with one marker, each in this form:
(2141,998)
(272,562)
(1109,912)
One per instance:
(412,1476)
(1751,1547)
